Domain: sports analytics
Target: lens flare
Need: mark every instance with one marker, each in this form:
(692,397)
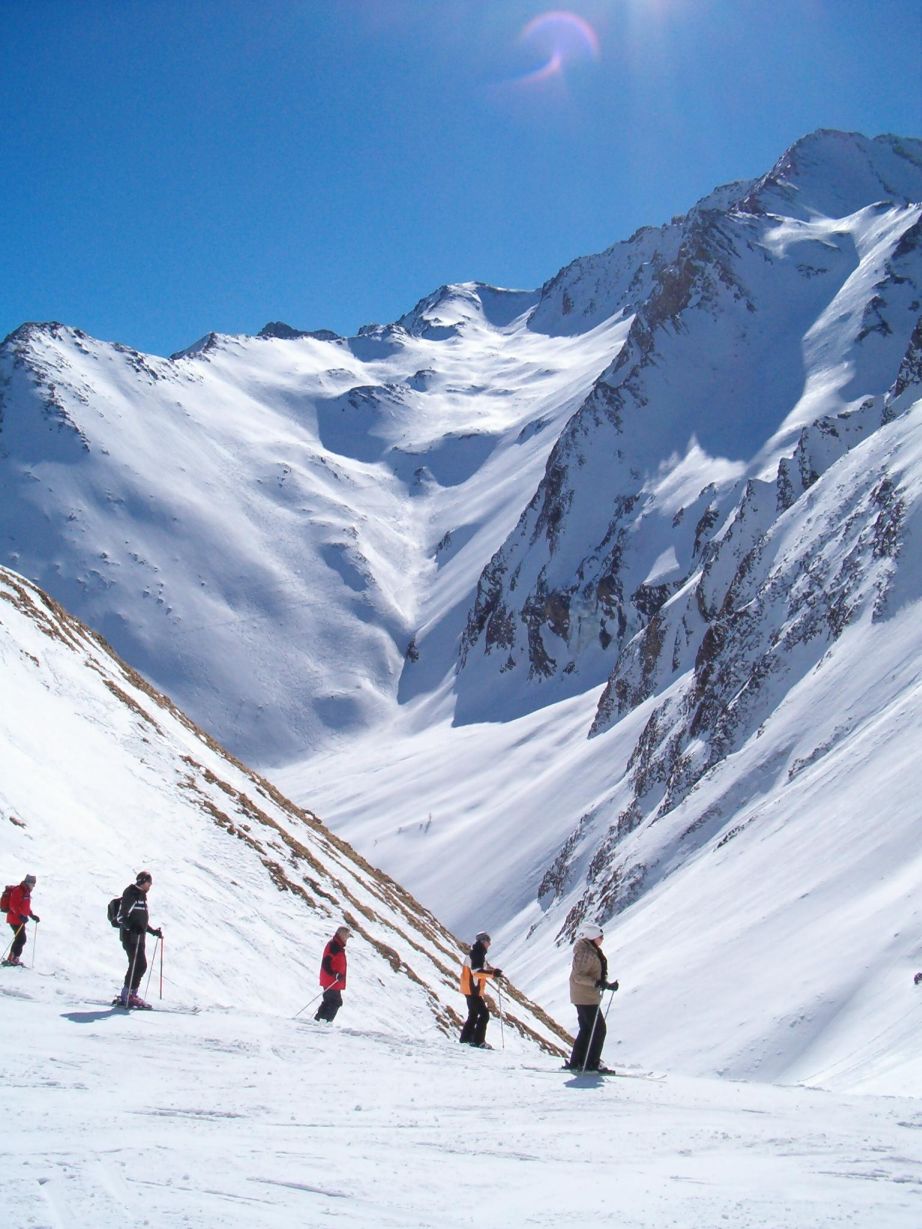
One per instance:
(563,38)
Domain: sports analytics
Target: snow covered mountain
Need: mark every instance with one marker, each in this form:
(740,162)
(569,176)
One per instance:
(259,524)
(598,600)
(759,322)
(101,775)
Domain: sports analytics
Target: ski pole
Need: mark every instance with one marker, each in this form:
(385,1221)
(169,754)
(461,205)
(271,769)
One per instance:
(595,1020)
(315,998)
(150,972)
(6,954)
(134,960)
(502,1031)
(162,946)
(306,1005)
(34,944)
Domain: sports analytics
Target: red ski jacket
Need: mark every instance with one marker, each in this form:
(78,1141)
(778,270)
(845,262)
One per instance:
(333,966)
(20,904)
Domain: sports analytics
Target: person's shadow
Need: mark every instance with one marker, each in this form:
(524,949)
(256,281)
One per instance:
(90,1017)
(584,1079)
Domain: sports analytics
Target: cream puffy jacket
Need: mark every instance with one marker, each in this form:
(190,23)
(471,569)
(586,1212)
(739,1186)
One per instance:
(586,971)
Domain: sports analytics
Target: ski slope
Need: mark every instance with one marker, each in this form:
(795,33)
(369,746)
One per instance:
(247,1119)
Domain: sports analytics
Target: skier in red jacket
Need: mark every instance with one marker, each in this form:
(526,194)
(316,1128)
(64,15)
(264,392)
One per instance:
(18,913)
(333,975)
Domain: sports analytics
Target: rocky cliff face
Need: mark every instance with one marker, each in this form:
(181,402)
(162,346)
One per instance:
(765,611)
(760,351)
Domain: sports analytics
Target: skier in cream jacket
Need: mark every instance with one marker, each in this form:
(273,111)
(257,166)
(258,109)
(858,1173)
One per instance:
(588,978)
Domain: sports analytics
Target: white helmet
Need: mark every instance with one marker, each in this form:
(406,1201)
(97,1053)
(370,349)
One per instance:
(590,931)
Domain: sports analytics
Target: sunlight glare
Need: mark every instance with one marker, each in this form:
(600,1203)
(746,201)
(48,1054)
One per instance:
(563,38)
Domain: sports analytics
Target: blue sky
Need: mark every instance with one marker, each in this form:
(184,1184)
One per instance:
(169,168)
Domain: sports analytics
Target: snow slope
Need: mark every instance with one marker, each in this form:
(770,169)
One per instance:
(100,776)
(753,780)
(254,1121)
(260,525)
(776,899)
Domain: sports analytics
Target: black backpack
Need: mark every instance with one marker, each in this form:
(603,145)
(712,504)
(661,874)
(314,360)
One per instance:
(113,911)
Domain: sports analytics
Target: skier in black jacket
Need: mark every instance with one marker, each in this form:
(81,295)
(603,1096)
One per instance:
(134,926)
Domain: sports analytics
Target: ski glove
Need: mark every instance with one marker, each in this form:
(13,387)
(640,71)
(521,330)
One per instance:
(612,985)
(35,917)
(497,972)
(158,932)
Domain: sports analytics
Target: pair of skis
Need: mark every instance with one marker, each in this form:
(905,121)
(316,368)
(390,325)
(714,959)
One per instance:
(169,1011)
(606,1074)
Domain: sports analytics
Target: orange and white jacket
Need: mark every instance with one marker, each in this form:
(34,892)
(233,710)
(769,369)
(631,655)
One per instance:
(475,972)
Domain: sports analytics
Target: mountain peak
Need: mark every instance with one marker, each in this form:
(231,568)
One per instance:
(284,332)
(834,174)
(450,309)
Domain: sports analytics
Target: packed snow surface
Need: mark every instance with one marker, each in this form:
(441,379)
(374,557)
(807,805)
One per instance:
(242,1117)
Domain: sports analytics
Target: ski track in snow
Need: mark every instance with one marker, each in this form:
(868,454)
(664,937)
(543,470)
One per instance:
(245,1119)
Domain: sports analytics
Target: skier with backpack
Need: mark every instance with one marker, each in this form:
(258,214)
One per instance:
(16,899)
(134,926)
(588,978)
(475,973)
(333,975)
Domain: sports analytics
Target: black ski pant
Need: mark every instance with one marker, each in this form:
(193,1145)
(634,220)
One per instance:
(478,1017)
(19,940)
(133,943)
(332,1001)
(588,1016)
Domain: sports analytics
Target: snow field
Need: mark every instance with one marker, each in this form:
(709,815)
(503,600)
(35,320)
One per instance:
(235,1117)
